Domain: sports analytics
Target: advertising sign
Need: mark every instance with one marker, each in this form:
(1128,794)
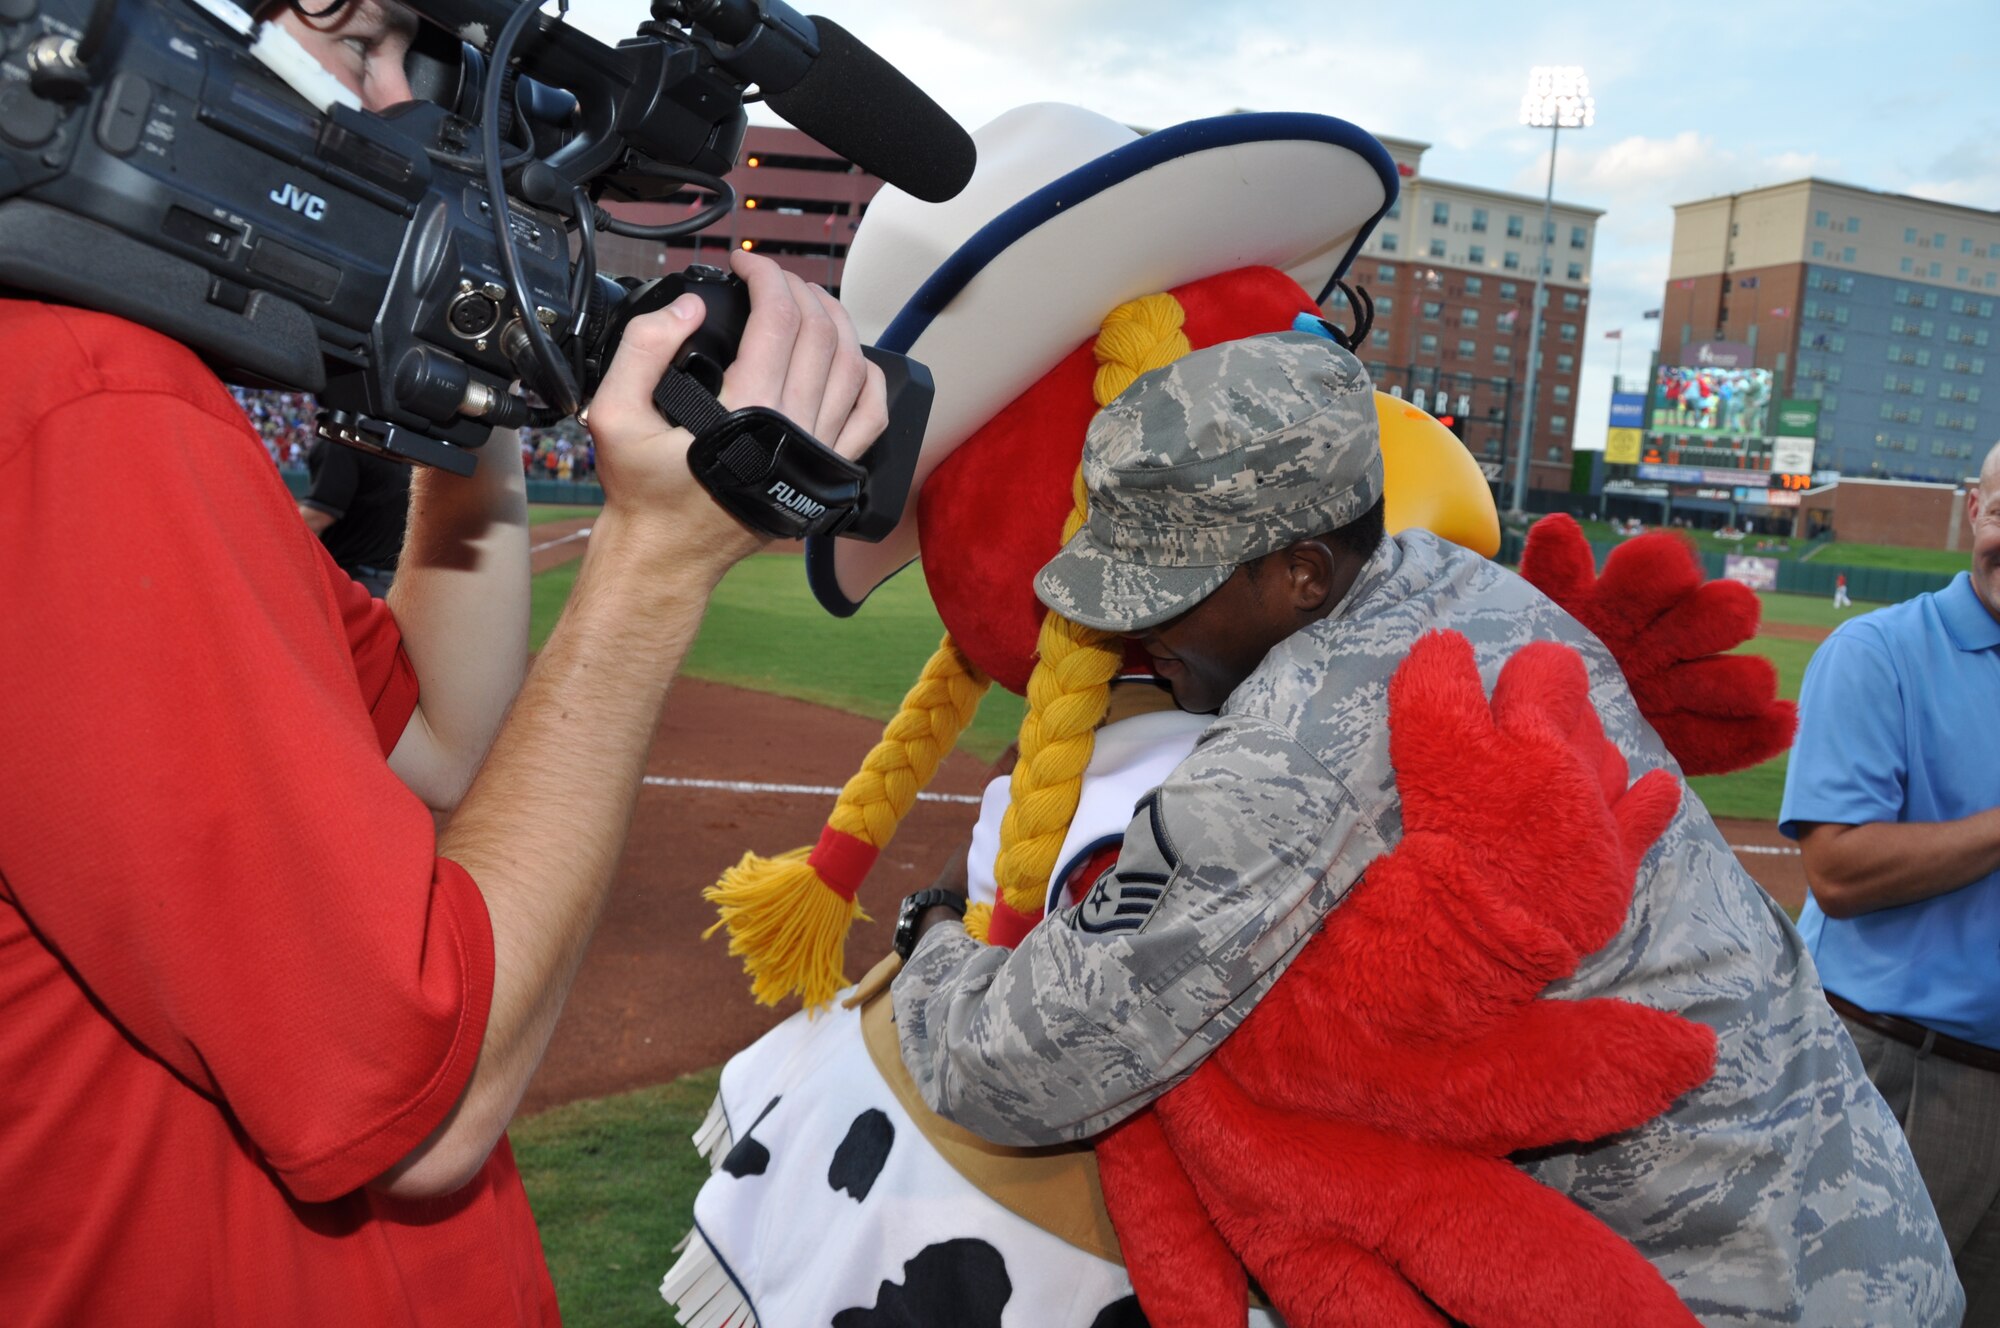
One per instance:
(1798,419)
(1621,446)
(1718,355)
(1791,456)
(1756,573)
(1671,474)
(1703,475)
(1628,410)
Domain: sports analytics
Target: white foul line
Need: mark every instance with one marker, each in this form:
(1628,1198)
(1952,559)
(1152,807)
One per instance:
(828,791)
(812,790)
(561,540)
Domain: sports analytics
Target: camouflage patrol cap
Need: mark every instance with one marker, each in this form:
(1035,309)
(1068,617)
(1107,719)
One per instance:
(1227,454)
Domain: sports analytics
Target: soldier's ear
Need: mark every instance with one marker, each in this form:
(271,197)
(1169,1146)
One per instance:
(1310,573)
(1318,573)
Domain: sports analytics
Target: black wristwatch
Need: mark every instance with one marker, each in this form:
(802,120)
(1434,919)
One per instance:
(914,907)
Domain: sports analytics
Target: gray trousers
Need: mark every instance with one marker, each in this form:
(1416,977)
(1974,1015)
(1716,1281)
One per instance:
(1951,1114)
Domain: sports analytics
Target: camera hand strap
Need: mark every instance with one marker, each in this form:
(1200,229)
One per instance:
(759,466)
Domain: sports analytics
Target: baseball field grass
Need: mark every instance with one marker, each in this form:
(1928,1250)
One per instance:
(541,514)
(1809,610)
(613,1182)
(765,631)
(1838,553)
(1944,562)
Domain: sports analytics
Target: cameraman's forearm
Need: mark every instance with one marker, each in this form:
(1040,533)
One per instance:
(573,749)
(461,602)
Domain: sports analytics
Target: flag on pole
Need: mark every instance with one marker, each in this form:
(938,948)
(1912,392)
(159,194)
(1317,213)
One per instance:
(1650,313)
(1615,334)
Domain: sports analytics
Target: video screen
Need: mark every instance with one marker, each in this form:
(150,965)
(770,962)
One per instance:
(1724,402)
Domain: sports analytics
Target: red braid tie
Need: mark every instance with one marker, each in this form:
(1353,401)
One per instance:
(842,861)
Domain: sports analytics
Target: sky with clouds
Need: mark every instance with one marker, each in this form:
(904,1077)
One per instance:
(1692,100)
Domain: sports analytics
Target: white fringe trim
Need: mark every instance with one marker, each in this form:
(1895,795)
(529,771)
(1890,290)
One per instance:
(701,1292)
(713,1139)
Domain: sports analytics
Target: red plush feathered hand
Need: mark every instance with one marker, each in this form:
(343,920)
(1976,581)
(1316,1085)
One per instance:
(1349,1144)
(1667,628)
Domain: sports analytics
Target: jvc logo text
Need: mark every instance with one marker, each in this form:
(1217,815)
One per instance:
(791,498)
(311,206)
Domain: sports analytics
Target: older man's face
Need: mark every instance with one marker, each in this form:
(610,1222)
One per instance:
(363,44)
(1982,510)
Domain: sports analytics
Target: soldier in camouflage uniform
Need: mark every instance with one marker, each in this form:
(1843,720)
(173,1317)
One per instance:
(1780,1191)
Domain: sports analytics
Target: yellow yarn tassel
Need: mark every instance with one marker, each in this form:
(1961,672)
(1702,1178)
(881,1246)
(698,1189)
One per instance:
(786,920)
(978,919)
(787,925)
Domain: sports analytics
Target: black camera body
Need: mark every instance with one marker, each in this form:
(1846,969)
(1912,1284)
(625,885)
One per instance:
(186,189)
(151,166)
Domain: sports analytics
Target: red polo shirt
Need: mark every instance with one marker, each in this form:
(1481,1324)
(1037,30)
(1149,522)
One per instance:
(236,982)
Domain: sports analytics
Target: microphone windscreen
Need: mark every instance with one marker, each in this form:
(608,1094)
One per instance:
(861,106)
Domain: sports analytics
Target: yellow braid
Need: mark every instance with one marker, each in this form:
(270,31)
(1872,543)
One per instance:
(933,714)
(788,925)
(1071,683)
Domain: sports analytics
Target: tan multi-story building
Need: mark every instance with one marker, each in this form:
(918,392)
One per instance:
(1452,271)
(1879,306)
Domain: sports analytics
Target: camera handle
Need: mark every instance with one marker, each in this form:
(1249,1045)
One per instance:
(778,479)
(763,469)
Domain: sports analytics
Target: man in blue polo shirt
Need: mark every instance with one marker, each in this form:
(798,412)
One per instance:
(1894,796)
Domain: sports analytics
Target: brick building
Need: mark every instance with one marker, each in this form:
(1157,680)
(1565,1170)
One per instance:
(1908,513)
(1452,271)
(796,201)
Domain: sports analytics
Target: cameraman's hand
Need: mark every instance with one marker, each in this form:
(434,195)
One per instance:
(800,356)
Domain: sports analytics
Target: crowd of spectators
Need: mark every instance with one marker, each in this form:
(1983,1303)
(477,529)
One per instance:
(563,452)
(285,421)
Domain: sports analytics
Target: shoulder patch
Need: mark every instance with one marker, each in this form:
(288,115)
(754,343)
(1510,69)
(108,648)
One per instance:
(1150,804)
(1125,895)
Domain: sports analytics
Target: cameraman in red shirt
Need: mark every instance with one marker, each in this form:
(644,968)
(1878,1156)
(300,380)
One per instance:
(264,1026)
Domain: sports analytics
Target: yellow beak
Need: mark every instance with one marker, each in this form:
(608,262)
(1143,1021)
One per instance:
(1429,480)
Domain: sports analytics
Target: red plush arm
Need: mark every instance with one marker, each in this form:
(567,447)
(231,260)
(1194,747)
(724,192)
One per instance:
(1350,1141)
(1183,1273)
(1520,842)
(1668,629)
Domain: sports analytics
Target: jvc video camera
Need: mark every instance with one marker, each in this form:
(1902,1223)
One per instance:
(179,163)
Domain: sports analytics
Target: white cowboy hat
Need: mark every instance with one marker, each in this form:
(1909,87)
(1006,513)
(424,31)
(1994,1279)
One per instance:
(1068,215)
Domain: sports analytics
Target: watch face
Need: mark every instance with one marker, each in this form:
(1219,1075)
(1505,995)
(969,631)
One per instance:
(906,927)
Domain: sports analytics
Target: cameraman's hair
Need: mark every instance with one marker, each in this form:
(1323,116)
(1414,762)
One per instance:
(1362,535)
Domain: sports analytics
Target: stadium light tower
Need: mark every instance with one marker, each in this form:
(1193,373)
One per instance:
(1558,98)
